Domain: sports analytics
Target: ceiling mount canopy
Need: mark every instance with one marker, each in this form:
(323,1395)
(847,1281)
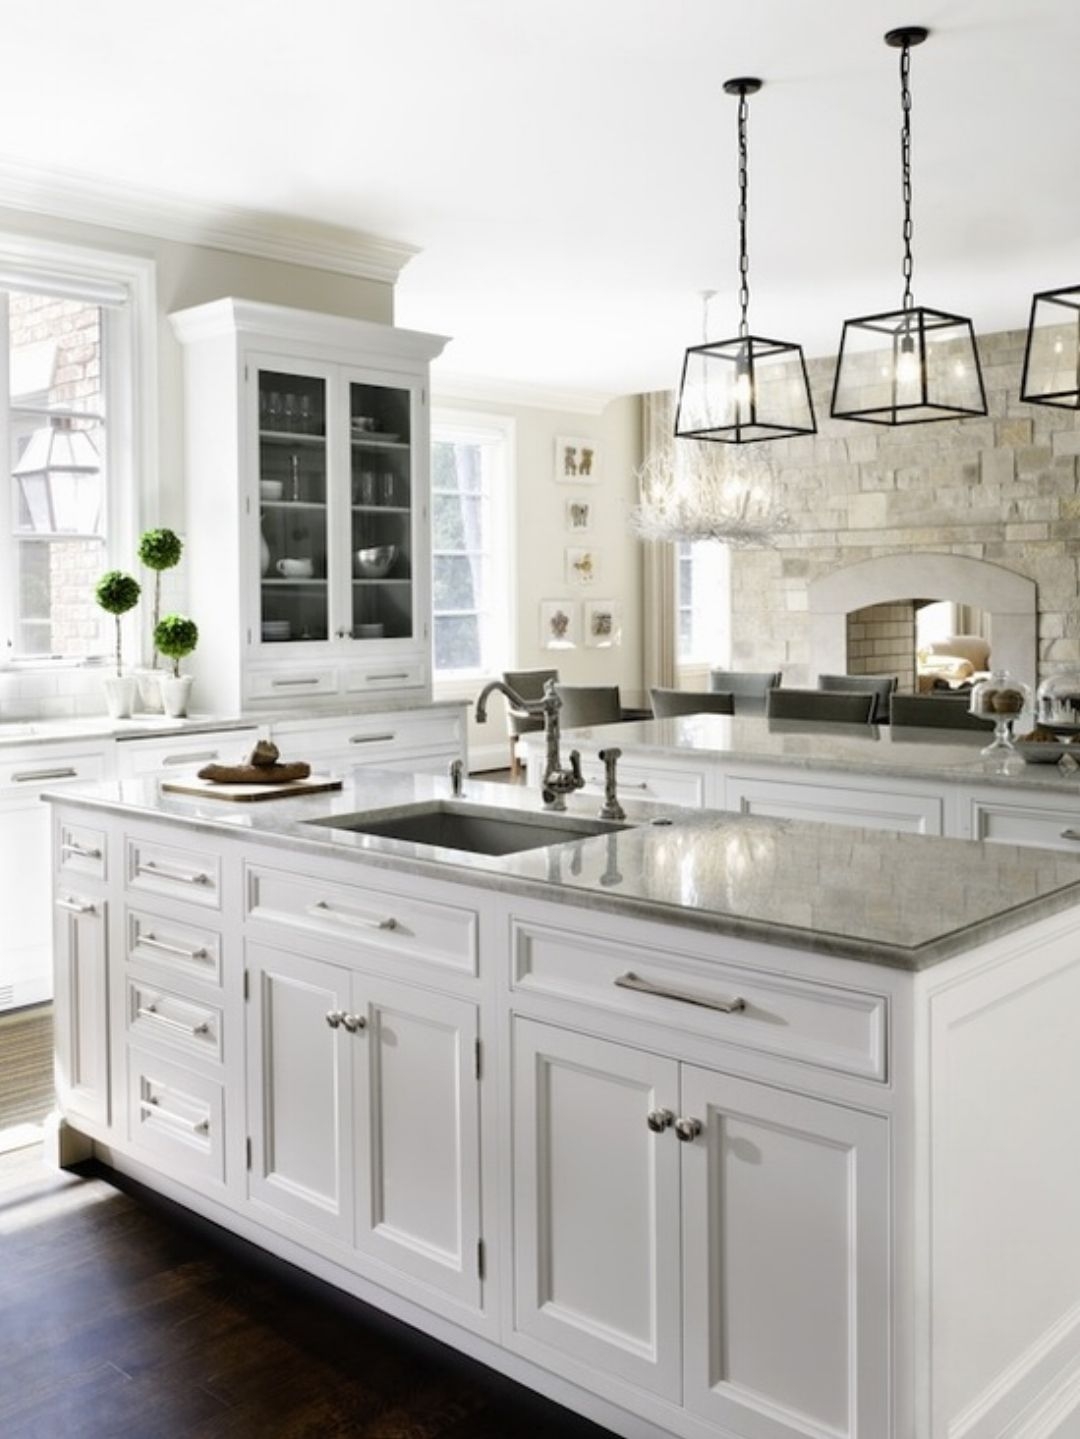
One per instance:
(747,388)
(916,364)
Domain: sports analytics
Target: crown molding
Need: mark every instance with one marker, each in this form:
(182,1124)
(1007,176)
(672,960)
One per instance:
(66,195)
(447,387)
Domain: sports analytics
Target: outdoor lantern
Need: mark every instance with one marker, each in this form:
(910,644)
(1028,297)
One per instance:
(1052,353)
(59,475)
(915,364)
(746,388)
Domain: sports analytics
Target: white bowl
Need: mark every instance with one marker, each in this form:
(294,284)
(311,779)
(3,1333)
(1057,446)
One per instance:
(375,563)
(271,489)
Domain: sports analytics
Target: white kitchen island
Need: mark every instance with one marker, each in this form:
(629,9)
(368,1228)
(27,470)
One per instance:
(918,781)
(723,1128)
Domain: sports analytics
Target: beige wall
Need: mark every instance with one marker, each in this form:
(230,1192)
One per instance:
(541,539)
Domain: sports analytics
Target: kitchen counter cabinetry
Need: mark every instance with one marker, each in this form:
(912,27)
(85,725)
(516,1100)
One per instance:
(686,1182)
(307,446)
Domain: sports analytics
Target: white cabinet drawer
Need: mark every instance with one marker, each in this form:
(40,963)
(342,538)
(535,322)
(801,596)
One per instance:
(366,737)
(670,786)
(291,684)
(185,951)
(833,804)
(1026,824)
(187,874)
(436,934)
(390,675)
(156,1016)
(82,849)
(140,757)
(47,766)
(830,1027)
(177,1116)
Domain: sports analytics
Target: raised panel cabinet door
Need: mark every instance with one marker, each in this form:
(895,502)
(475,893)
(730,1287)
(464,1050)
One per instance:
(299,1055)
(81,1005)
(786,1244)
(596,1205)
(418,1134)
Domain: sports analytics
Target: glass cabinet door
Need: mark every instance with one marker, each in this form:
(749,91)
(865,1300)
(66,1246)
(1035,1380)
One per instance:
(294,601)
(381,548)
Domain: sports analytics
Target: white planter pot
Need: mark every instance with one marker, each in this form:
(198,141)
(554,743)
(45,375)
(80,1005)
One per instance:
(174,695)
(120,695)
(149,682)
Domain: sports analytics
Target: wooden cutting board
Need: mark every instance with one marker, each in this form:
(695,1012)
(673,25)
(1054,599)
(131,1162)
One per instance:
(246,793)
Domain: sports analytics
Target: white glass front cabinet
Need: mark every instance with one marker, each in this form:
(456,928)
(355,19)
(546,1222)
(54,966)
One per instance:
(318,584)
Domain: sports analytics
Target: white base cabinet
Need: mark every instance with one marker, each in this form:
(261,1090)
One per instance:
(840,1208)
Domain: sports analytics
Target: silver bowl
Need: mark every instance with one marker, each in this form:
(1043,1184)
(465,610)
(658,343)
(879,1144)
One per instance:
(375,563)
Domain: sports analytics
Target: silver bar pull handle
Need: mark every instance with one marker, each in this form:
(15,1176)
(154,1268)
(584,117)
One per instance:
(404,675)
(1070,834)
(201,757)
(194,1030)
(82,851)
(77,906)
(168,871)
(193,1126)
(285,684)
(32,776)
(151,941)
(322,910)
(369,738)
(625,784)
(630,980)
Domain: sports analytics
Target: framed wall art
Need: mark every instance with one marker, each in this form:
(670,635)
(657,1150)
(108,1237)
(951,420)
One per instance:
(577,460)
(559,624)
(603,624)
(579,516)
(582,566)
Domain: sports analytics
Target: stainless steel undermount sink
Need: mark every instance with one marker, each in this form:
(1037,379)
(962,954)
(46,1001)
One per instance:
(475,828)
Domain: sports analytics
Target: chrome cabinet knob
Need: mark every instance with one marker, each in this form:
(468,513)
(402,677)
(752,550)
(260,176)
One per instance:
(688,1129)
(353,1022)
(334,1017)
(659,1119)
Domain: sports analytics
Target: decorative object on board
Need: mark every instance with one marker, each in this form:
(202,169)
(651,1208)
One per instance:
(582,566)
(603,624)
(747,388)
(159,550)
(175,637)
(579,515)
(1051,373)
(559,621)
(117,593)
(577,460)
(262,766)
(913,365)
(693,491)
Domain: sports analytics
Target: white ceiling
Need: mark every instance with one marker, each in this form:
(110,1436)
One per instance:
(567,167)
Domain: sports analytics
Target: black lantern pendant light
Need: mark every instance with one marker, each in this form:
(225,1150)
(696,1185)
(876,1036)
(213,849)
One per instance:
(915,364)
(745,389)
(1052,353)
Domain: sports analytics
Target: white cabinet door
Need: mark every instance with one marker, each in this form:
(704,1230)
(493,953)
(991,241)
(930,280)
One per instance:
(786,1251)
(418,1134)
(596,1206)
(81,1008)
(299,1093)
(25,902)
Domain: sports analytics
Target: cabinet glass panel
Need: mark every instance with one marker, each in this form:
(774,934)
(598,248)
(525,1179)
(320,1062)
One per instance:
(293,592)
(381,552)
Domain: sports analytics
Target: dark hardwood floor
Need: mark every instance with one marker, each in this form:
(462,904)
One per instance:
(123,1316)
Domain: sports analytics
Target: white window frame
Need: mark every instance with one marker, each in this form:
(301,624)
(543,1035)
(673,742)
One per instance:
(126,288)
(693,668)
(462,426)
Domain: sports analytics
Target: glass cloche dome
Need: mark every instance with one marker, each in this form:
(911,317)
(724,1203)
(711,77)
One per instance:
(1057,700)
(1000,697)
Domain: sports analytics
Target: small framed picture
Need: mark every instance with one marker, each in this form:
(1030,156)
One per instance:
(581,566)
(559,623)
(579,515)
(577,461)
(603,624)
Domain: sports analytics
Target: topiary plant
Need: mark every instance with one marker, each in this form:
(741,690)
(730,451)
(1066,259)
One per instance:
(117,593)
(176,636)
(159,550)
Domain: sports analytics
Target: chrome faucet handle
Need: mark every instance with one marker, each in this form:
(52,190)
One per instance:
(577,779)
(611,808)
(457,778)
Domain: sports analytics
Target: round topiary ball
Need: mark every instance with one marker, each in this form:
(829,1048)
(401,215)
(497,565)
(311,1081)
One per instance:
(117,593)
(176,636)
(160,549)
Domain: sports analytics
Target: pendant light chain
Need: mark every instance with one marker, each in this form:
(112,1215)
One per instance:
(744,184)
(905,168)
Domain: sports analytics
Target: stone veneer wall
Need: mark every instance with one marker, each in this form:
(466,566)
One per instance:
(1002,489)
(881,641)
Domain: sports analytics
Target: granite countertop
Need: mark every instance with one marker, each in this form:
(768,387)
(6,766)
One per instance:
(899,753)
(147,726)
(908,901)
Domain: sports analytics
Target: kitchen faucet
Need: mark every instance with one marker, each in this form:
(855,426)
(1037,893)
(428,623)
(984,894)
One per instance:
(557,782)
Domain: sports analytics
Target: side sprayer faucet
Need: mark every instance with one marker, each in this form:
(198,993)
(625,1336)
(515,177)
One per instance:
(557,782)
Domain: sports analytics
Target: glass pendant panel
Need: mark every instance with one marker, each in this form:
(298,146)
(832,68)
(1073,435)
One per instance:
(1052,354)
(743,390)
(908,367)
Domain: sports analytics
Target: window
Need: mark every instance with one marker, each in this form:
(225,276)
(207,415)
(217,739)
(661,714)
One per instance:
(471,540)
(68,341)
(702,601)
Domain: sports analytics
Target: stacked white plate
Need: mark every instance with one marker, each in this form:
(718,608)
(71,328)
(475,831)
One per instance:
(276,630)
